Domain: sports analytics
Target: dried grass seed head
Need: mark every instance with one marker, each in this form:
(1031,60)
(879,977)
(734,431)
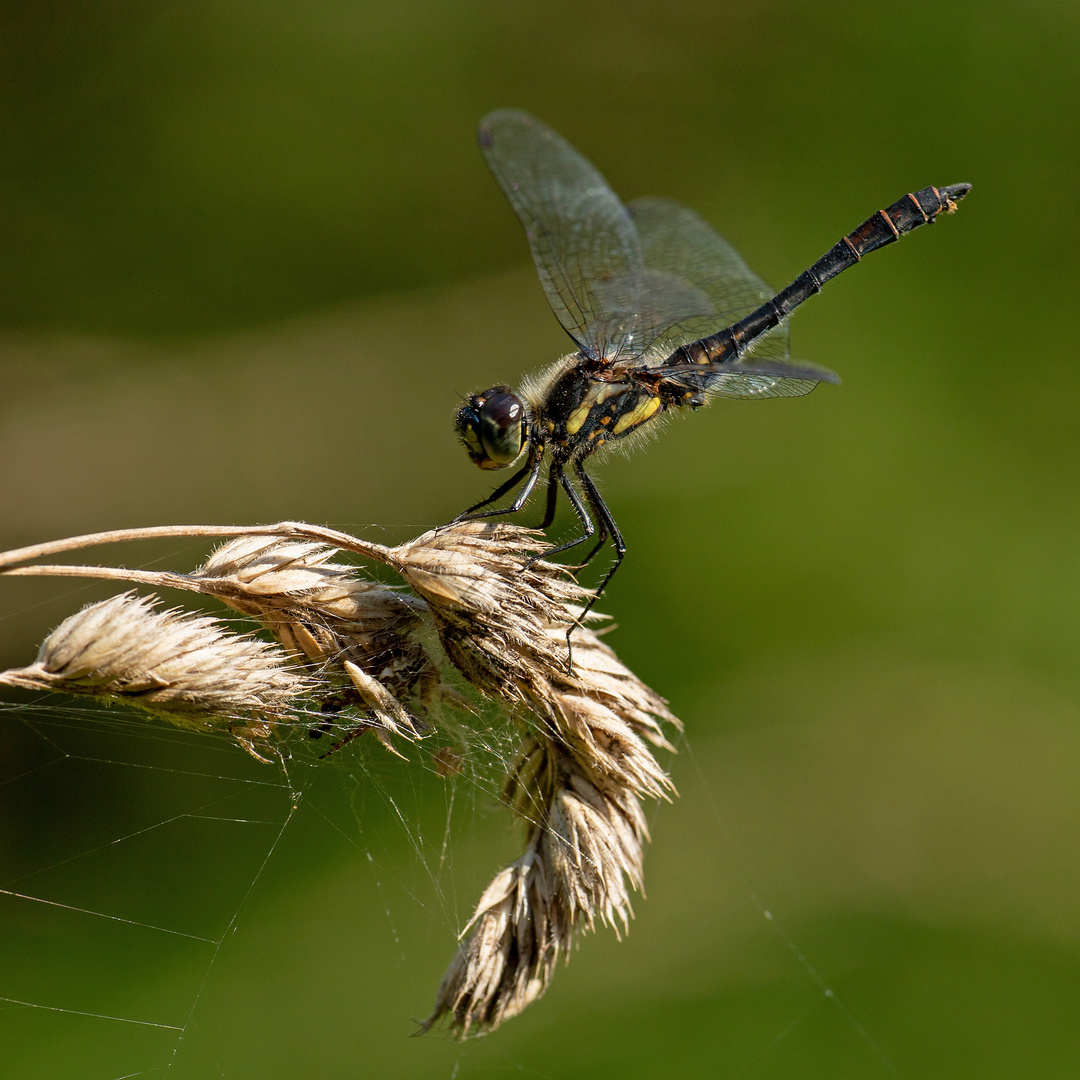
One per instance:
(503,620)
(585,853)
(363,636)
(593,844)
(515,938)
(578,781)
(493,604)
(324,609)
(600,675)
(179,665)
(590,830)
(503,616)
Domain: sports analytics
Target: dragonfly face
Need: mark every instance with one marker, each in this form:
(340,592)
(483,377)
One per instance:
(494,426)
(662,311)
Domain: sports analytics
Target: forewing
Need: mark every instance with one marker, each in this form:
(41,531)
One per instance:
(678,243)
(582,238)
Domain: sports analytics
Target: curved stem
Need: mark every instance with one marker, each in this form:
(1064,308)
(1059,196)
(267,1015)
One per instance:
(112,573)
(295,530)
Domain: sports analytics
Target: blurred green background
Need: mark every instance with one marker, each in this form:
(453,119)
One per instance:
(251,256)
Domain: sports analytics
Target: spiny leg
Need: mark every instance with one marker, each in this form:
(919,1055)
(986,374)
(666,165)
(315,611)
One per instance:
(558,478)
(552,498)
(532,468)
(549,517)
(498,493)
(596,547)
(555,478)
(607,525)
(587,523)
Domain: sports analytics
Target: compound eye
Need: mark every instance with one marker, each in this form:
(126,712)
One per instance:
(502,427)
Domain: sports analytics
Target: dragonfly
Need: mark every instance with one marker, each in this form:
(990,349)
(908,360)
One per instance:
(663,313)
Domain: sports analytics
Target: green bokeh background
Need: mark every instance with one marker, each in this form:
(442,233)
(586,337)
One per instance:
(250,256)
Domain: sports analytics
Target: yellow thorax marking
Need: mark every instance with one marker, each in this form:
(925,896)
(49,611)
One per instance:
(597,395)
(577,418)
(602,391)
(638,415)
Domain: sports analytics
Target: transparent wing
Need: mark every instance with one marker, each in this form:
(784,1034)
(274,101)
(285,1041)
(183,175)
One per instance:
(580,233)
(583,240)
(679,244)
(750,377)
(643,305)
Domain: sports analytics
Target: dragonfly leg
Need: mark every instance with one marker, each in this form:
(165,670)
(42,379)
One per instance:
(530,472)
(549,517)
(607,525)
(552,499)
(596,547)
(587,523)
(557,476)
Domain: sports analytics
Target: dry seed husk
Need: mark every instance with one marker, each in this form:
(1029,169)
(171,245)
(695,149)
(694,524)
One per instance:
(503,620)
(492,604)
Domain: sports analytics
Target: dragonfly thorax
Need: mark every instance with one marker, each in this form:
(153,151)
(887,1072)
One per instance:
(579,411)
(494,427)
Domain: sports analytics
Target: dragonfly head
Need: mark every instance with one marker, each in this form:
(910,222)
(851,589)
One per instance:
(493,426)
